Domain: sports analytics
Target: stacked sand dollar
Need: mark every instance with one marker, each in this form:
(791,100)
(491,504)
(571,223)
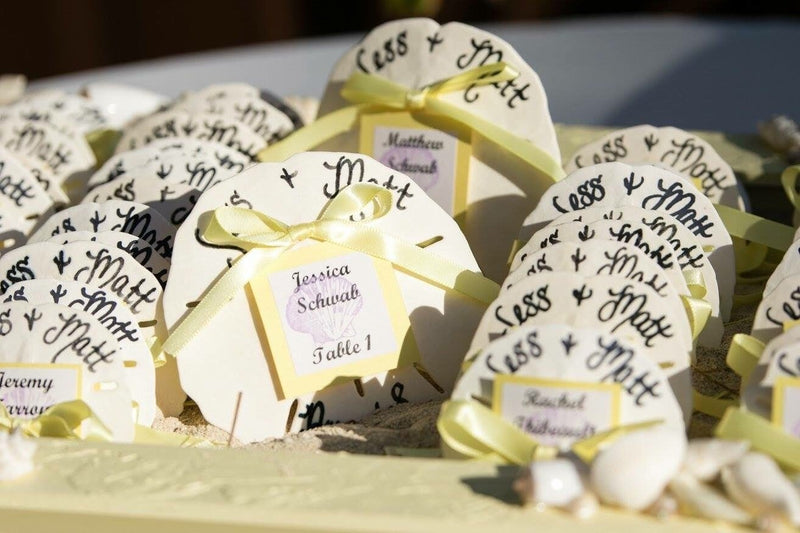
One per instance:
(473,177)
(323,332)
(108,262)
(769,387)
(669,147)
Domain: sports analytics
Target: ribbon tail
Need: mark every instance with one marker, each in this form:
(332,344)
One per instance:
(753,228)
(311,136)
(222,292)
(471,431)
(525,150)
(743,354)
(587,449)
(698,311)
(789,182)
(72,419)
(764,436)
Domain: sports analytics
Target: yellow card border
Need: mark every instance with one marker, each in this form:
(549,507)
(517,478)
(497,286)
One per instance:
(420,121)
(778,390)
(293,385)
(501,380)
(64,366)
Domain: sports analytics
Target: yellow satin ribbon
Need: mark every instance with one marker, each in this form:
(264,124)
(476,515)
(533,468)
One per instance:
(789,182)
(67,420)
(157,351)
(698,311)
(712,405)
(738,424)
(743,354)
(265,238)
(695,282)
(371,93)
(103,142)
(470,430)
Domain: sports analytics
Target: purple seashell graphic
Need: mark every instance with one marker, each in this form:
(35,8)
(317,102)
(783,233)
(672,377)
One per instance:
(325,308)
(27,397)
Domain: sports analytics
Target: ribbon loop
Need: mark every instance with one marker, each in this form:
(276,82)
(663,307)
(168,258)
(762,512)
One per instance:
(64,420)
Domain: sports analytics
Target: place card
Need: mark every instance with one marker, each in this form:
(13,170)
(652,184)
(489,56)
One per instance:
(27,390)
(331,315)
(556,412)
(786,405)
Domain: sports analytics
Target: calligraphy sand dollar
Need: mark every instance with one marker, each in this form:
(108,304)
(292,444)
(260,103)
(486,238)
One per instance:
(597,257)
(577,355)
(105,267)
(136,219)
(628,309)
(778,309)
(202,126)
(229,355)
(690,258)
(654,189)
(789,266)
(261,111)
(27,198)
(112,314)
(780,357)
(719,272)
(199,163)
(418,52)
(138,249)
(64,110)
(676,149)
(172,200)
(45,176)
(56,334)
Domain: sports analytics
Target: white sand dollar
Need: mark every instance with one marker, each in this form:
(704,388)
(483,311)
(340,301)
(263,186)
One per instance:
(202,126)
(418,52)
(27,198)
(673,148)
(197,163)
(631,310)
(173,200)
(120,103)
(583,355)
(138,249)
(136,219)
(105,267)
(657,248)
(229,356)
(52,333)
(780,306)
(112,314)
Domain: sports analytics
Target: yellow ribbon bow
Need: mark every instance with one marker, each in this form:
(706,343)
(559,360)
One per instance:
(740,424)
(371,94)
(265,238)
(67,420)
(470,430)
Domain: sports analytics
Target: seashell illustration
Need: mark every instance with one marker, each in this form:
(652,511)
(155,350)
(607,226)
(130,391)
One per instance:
(325,308)
(19,401)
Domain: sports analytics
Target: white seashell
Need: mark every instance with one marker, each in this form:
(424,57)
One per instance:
(633,471)
(705,502)
(756,483)
(664,507)
(705,457)
(554,482)
(121,103)
(16,455)
(584,506)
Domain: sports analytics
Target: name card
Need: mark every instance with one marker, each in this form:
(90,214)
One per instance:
(27,390)
(786,405)
(554,412)
(436,159)
(331,315)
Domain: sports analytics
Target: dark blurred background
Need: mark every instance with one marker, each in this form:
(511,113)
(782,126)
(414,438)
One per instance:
(49,37)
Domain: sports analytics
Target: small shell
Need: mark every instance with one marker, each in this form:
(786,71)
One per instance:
(122,103)
(633,471)
(705,502)
(554,482)
(12,87)
(756,483)
(584,506)
(16,455)
(706,457)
